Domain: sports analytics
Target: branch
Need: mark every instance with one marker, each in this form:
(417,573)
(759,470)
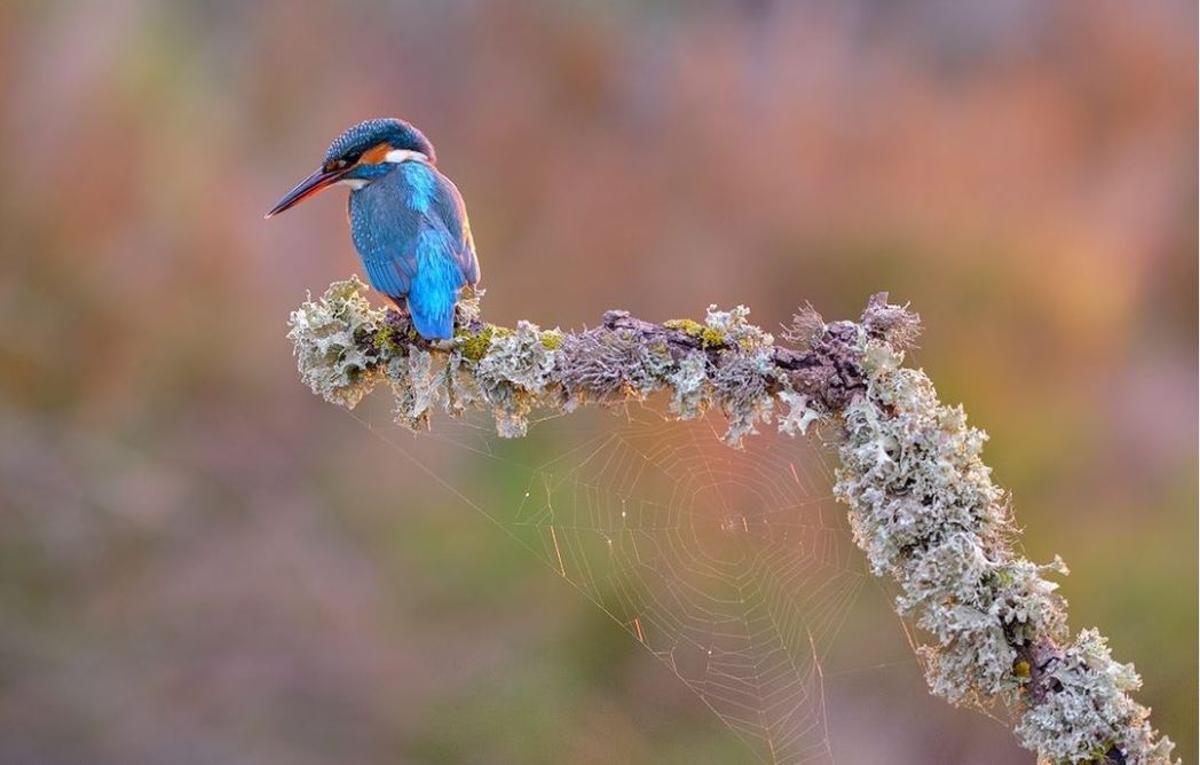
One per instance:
(922,504)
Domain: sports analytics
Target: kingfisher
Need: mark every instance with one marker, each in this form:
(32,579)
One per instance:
(407,220)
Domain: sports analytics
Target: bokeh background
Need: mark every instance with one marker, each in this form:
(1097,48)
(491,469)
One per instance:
(200,562)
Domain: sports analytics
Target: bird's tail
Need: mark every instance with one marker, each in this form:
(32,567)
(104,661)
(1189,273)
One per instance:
(433,322)
(435,287)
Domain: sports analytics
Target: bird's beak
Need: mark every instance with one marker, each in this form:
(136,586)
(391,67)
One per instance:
(313,184)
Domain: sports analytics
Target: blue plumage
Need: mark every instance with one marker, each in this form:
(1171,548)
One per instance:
(410,228)
(407,220)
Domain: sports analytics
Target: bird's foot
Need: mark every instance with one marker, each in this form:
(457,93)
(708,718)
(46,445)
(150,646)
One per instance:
(398,318)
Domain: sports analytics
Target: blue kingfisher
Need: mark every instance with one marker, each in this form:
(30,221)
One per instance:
(407,220)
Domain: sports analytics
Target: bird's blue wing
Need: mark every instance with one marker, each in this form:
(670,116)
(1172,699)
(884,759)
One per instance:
(385,233)
(447,204)
(411,230)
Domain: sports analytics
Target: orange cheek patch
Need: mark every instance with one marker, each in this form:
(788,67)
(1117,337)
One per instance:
(375,154)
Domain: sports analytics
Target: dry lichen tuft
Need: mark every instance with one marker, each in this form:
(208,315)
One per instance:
(1092,714)
(925,511)
(328,336)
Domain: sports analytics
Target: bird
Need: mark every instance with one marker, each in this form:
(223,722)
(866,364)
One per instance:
(408,222)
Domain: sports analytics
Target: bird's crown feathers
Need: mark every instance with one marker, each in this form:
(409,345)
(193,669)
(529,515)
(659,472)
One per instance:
(396,133)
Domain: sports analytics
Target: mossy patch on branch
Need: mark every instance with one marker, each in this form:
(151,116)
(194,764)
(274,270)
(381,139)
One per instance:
(475,345)
(709,337)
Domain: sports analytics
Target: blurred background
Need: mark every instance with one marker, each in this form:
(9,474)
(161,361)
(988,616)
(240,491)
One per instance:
(200,562)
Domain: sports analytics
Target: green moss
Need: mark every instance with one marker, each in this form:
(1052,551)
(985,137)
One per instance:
(1098,754)
(687,326)
(712,338)
(551,339)
(708,337)
(999,579)
(475,345)
(385,341)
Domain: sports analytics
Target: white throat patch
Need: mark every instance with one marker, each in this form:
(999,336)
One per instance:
(396,156)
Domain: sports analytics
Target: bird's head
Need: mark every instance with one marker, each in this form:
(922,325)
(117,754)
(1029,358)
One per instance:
(360,155)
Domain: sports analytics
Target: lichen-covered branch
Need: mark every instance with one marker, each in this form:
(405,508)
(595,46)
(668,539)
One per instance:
(922,503)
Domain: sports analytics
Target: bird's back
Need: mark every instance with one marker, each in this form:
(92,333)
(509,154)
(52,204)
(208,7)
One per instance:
(410,228)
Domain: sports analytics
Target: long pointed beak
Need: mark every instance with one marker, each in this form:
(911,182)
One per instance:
(313,184)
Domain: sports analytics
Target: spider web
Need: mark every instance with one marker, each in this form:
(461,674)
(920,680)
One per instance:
(733,567)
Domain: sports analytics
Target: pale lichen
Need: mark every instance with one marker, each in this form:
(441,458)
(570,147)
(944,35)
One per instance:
(743,384)
(923,506)
(800,413)
(925,511)
(691,390)
(606,366)
(735,328)
(513,376)
(328,337)
(419,384)
(807,325)
(1092,711)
